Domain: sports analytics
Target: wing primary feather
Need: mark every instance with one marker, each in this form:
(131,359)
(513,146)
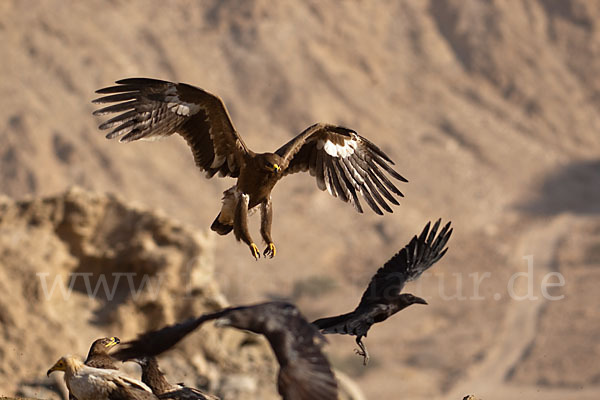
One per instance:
(134,134)
(389,169)
(312,166)
(319,173)
(387,182)
(336,178)
(370,201)
(121,129)
(118,89)
(128,105)
(142,82)
(116,98)
(349,183)
(381,188)
(375,149)
(377,196)
(121,118)
(367,162)
(433,231)
(328,179)
(357,170)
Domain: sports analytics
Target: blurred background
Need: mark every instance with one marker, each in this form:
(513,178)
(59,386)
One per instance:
(488,108)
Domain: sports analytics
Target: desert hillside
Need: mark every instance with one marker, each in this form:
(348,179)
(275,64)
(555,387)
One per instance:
(489,108)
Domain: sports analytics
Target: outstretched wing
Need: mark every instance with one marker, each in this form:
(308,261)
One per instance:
(345,164)
(156,342)
(408,264)
(151,108)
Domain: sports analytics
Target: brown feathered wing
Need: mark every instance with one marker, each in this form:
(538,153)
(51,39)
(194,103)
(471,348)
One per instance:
(345,164)
(151,109)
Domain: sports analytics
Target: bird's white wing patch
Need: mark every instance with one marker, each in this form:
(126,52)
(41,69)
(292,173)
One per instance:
(179,107)
(336,150)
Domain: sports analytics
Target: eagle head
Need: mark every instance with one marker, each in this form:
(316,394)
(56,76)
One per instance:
(271,162)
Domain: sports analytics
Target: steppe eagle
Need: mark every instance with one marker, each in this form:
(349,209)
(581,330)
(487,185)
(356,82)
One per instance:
(344,163)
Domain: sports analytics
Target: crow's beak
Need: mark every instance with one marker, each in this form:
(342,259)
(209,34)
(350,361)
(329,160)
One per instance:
(420,301)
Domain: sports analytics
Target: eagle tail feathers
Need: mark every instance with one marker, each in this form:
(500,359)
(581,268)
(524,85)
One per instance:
(219,227)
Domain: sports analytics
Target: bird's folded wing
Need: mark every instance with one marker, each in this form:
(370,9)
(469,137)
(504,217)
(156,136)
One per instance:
(186,393)
(151,108)
(345,164)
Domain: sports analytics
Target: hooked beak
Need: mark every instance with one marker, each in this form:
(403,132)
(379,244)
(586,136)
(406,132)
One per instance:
(276,168)
(113,342)
(55,367)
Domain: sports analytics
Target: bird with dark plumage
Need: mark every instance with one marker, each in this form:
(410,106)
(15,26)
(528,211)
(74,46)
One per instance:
(156,380)
(304,373)
(98,356)
(382,299)
(344,163)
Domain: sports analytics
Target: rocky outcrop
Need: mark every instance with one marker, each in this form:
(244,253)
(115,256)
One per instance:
(79,266)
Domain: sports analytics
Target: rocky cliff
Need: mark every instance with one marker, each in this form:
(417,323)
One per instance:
(80,266)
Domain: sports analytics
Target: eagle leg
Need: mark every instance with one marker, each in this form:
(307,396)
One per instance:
(240,225)
(254,250)
(266,216)
(363,350)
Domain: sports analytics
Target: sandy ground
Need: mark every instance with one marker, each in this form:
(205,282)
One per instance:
(490,109)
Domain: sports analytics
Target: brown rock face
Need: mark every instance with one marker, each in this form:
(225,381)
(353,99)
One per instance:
(77,266)
(80,266)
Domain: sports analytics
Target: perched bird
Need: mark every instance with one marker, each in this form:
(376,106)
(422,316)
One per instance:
(382,299)
(304,373)
(89,383)
(156,380)
(344,163)
(98,355)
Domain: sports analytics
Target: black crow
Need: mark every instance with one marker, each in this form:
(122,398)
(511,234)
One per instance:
(304,374)
(382,299)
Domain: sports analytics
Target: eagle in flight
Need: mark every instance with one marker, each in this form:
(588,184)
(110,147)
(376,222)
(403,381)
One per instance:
(344,163)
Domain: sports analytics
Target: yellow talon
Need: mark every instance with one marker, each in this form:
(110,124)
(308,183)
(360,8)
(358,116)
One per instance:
(254,251)
(270,251)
